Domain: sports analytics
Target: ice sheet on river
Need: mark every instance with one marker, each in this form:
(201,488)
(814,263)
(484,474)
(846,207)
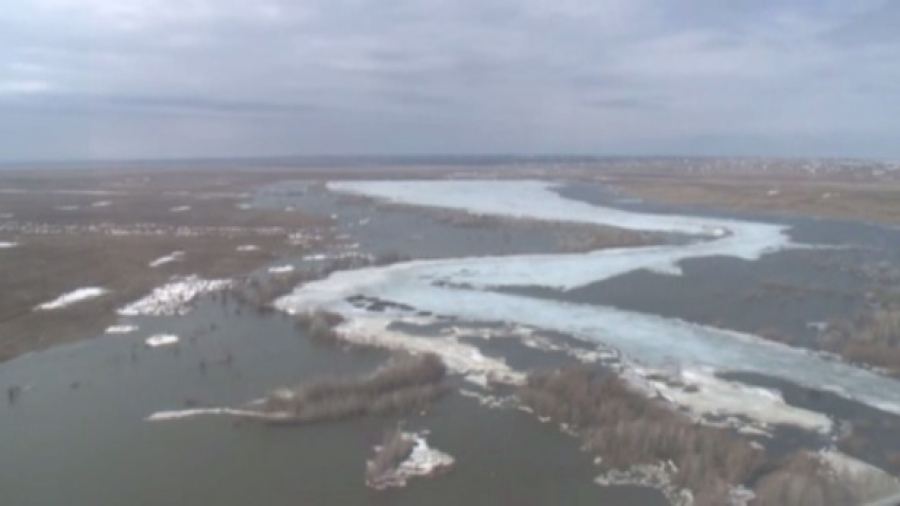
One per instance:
(461,287)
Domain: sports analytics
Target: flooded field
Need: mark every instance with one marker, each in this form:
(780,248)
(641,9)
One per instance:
(681,318)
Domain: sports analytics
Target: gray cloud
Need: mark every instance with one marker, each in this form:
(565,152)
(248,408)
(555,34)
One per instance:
(168,78)
(625,103)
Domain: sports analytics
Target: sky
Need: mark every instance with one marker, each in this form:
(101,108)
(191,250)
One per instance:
(159,79)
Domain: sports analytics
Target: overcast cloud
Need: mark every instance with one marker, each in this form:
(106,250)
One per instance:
(185,78)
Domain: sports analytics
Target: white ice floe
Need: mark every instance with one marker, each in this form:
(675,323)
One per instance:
(161,340)
(658,476)
(246,248)
(171,257)
(464,359)
(529,199)
(281,269)
(318,257)
(422,461)
(71,298)
(8,245)
(180,209)
(193,413)
(703,394)
(173,298)
(464,287)
(102,203)
(121,329)
(66,208)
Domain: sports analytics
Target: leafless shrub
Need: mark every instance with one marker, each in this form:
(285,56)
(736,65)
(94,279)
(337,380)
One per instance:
(882,327)
(873,340)
(626,428)
(394,449)
(319,325)
(390,258)
(802,480)
(404,385)
(259,294)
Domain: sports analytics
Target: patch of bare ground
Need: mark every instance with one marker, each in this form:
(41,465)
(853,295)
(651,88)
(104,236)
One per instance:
(625,428)
(833,199)
(404,385)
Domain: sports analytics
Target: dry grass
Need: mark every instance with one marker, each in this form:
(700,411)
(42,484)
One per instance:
(68,251)
(846,200)
(44,267)
(407,384)
(625,428)
(569,237)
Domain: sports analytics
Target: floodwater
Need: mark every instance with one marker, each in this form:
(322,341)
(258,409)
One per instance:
(78,435)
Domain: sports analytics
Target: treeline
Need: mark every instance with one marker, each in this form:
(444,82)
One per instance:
(626,428)
(405,384)
(394,449)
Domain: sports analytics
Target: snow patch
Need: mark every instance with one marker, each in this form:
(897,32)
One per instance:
(71,298)
(246,248)
(121,329)
(161,340)
(180,209)
(281,269)
(102,203)
(173,298)
(8,245)
(703,394)
(172,257)
(422,461)
(193,413)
